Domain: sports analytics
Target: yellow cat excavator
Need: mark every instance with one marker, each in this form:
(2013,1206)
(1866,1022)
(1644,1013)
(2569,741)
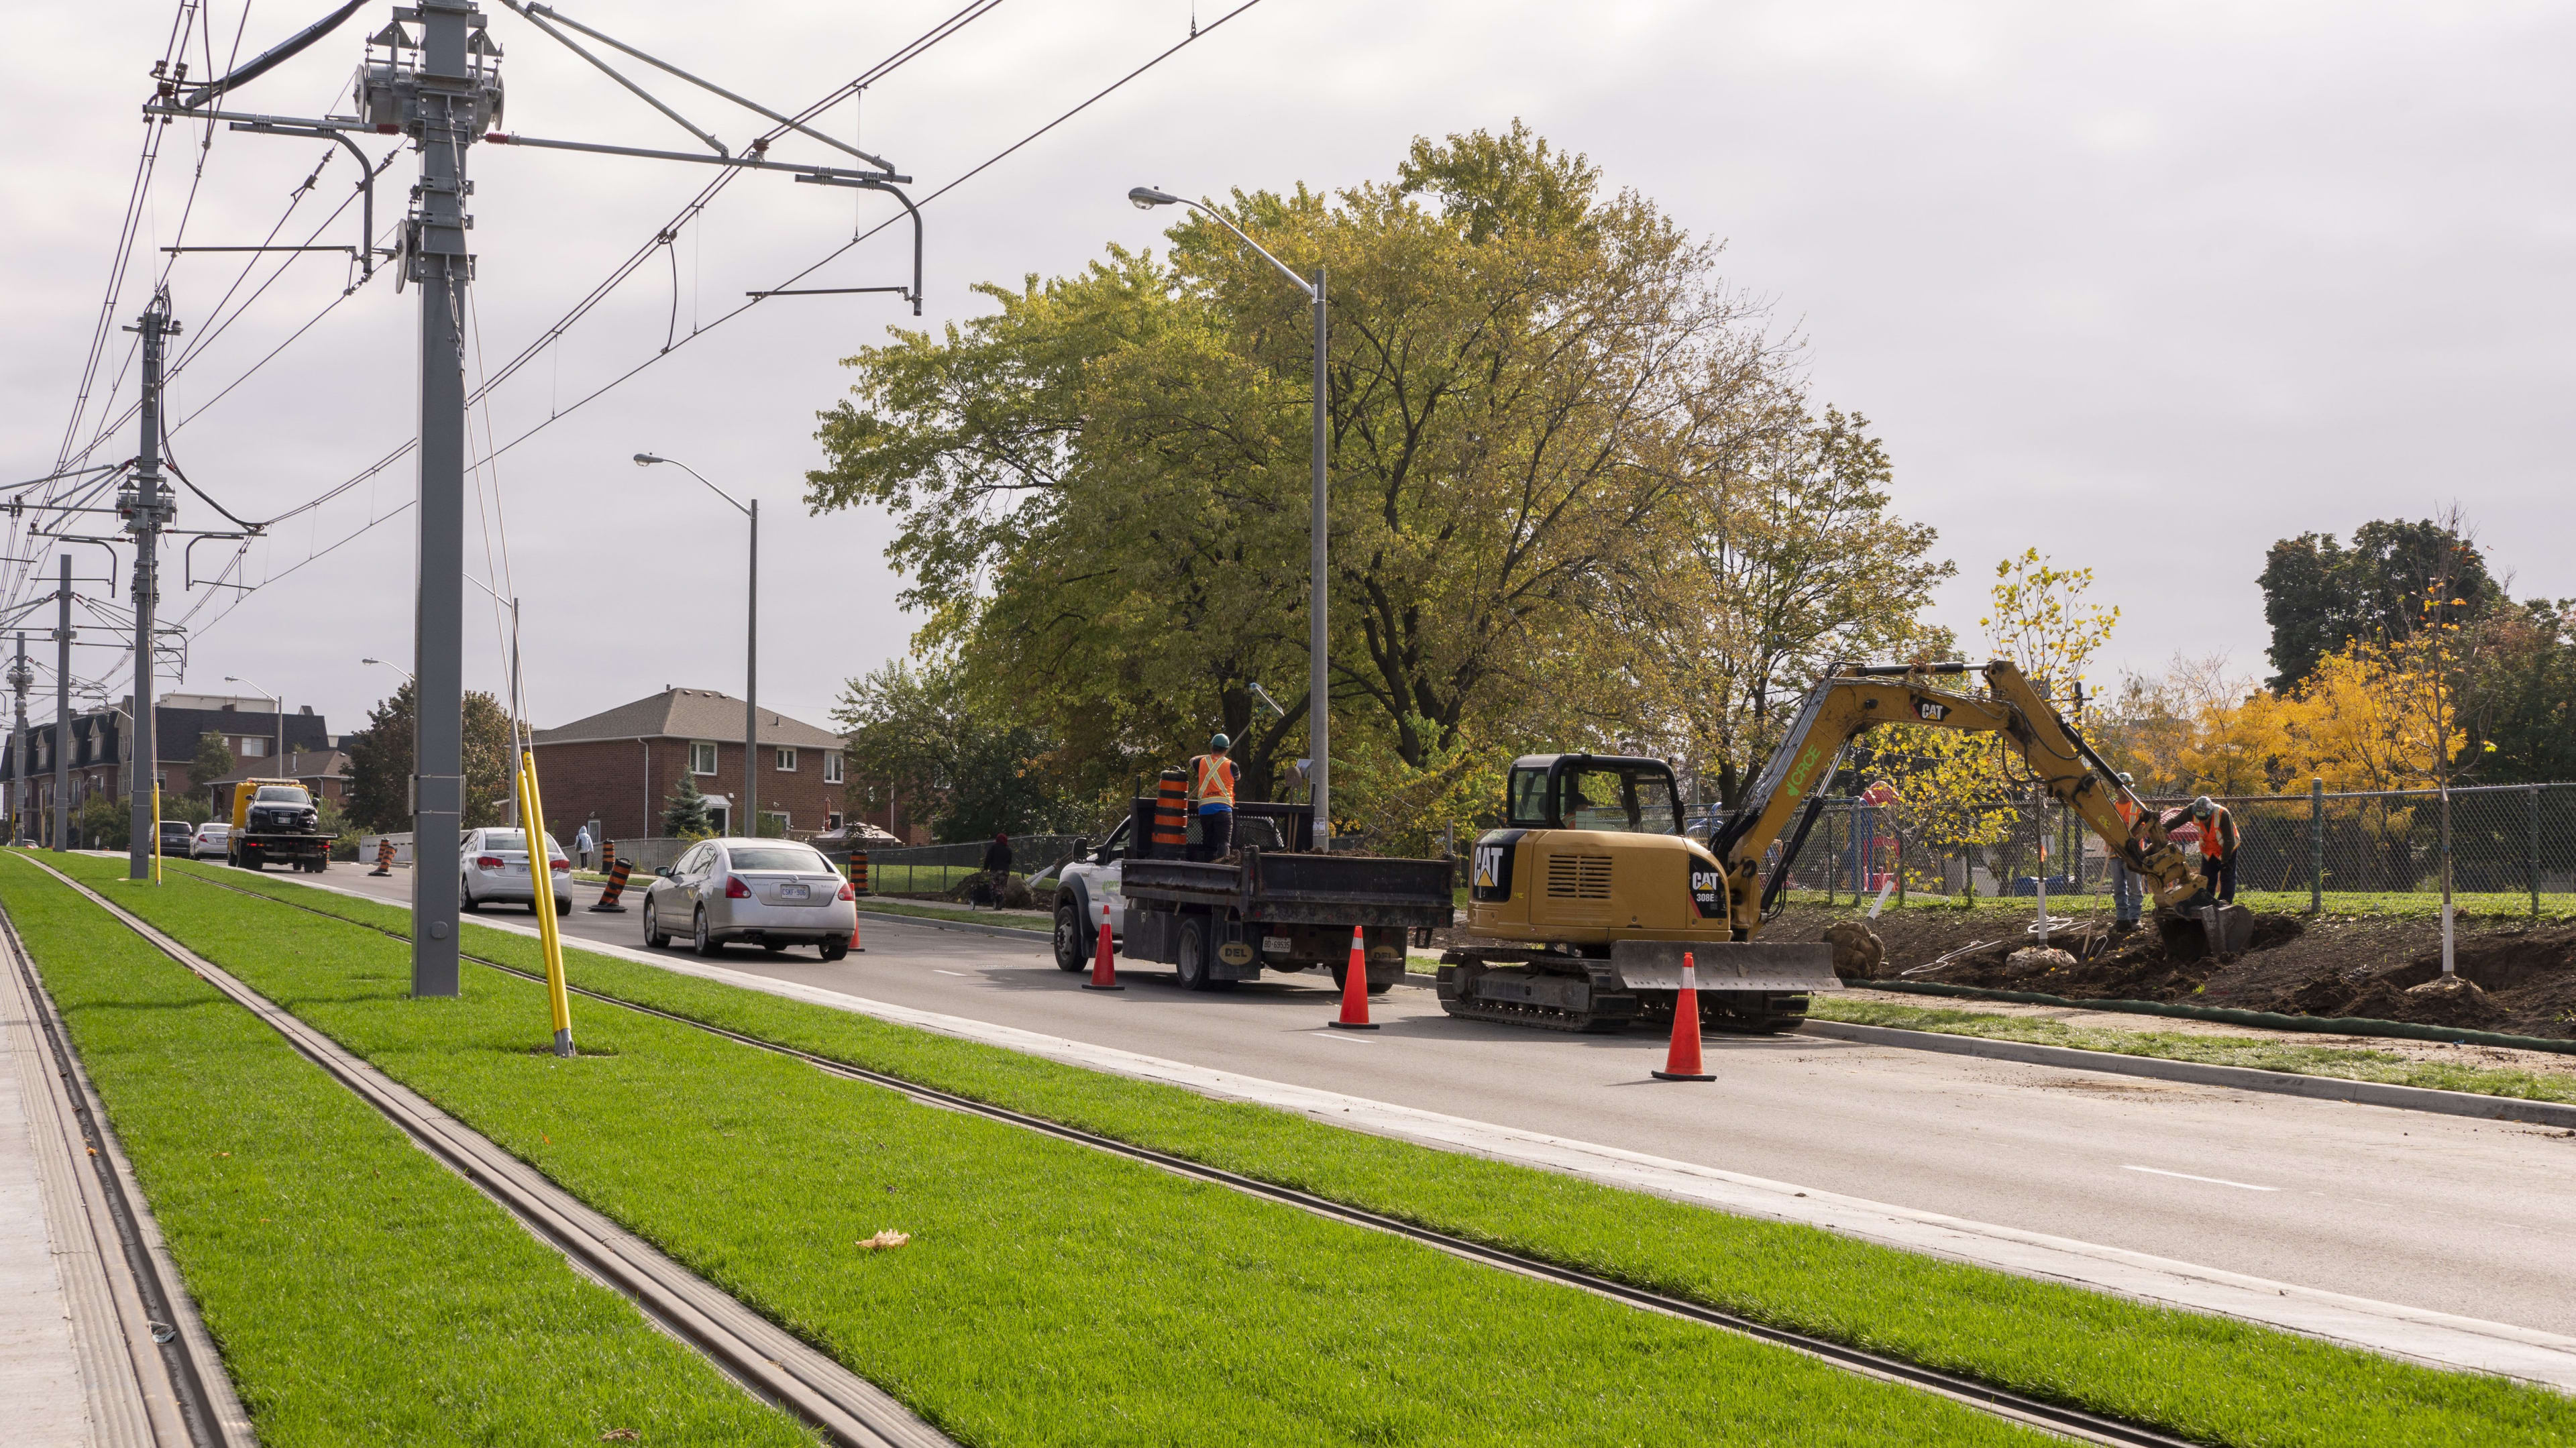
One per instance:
(1580,908)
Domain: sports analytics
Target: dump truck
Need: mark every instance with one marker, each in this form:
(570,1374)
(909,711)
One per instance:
(1273,903)
(276,820)
(1582,908)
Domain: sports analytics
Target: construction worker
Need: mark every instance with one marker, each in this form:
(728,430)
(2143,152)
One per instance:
(2218,841)
(2126,894)
(1212,798)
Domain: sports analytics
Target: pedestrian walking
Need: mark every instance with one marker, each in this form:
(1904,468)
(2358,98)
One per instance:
(1212,795)
(2127,895)
(581,846)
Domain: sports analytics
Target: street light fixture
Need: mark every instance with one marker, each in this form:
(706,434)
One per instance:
(273,699)
(748,820)
(397,668)
(1318,664)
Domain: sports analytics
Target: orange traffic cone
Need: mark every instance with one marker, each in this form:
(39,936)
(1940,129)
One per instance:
(855,947)
(1104,972)
(1354,1016)
(1681,1063)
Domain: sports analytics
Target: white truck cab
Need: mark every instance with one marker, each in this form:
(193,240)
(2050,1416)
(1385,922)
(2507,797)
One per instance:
(1085,883)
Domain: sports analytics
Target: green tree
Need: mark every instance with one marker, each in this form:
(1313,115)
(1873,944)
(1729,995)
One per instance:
(212,760)
(2524,686)
(2320,597)
(1539,397)
(105,822)
(915,728)
(684,815)
(380,763)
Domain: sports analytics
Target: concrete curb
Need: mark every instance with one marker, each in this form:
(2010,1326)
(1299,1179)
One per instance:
(1014,933)
(2244,1078)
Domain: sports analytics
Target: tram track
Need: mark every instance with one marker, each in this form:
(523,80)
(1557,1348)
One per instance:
(2056,1418)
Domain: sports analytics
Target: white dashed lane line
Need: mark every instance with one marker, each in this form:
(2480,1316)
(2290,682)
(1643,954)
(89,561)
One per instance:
(2213,1181)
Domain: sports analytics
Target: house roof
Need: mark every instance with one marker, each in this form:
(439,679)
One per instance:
(302,764)
(688,714)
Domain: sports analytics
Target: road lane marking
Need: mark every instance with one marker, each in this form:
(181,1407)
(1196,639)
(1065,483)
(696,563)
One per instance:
(2187,1176)
(952,972)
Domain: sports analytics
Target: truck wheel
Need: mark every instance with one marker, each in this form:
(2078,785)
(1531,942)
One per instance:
(1070,952)
(1342,972)
(1191,957)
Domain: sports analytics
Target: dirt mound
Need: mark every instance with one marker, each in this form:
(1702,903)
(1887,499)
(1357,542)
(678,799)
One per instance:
(2038,960)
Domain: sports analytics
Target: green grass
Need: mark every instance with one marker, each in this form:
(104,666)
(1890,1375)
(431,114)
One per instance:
(2211,1378)
(2505,906)
(359,1292)
(1051,1294)
(2347,1063)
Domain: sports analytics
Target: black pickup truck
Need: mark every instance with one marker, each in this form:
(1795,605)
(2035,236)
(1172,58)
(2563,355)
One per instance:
(1277,905)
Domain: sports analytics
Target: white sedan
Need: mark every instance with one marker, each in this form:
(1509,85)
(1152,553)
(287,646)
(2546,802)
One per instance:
(772,893)
(208,842)
(495,871)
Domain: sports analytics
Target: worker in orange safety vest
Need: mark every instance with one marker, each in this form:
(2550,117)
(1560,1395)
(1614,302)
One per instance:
(2127,894)
(1212,798)
(2218,841)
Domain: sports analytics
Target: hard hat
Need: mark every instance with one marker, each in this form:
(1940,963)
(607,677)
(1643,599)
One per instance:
(1219,741)
(2125,779)
(2201,808)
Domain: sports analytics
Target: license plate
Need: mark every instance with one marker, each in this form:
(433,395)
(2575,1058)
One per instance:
(791,892)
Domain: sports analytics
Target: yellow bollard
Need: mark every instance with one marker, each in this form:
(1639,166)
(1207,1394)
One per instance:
(156,832)
(532,819)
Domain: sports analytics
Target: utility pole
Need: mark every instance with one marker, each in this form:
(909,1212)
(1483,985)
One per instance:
(453,92)
(750,824)
(20,676)
(63,711)
(1319,637)
(145,511)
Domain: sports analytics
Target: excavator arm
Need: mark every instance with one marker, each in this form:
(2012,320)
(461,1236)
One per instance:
(1853,699)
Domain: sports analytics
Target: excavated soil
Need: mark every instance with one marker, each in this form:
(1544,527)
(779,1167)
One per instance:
(2521,978)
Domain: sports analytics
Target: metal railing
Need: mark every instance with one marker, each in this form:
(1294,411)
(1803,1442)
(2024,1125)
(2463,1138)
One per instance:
(2512,846)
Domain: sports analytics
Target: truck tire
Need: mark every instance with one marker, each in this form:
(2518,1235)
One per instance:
(1190,956)
(1343,970)
(1071,953)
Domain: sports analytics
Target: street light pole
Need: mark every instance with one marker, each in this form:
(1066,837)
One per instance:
(1319,716)
(276,702)
(145,511)
(747,819)
(397,668)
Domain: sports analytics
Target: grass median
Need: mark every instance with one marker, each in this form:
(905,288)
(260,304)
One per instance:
(359,1292)
(1049,1294)
(2210,1378)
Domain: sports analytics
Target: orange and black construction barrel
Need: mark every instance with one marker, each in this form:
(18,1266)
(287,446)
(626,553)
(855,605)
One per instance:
(858,872)
(617,873)
(608,857)
(1172,815)
(384,858)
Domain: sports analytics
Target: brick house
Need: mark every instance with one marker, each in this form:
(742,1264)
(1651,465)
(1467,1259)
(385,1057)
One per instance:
(621,767)
(248,727)
(324,772)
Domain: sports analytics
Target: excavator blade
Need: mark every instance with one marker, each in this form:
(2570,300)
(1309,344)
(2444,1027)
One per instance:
(1761,965)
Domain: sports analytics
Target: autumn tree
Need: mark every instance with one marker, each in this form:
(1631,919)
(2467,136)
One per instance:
(2320,596)
(914,727)
(2037,615)
(380,763)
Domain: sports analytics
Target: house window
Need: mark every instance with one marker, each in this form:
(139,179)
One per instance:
(787,761)
(702,757)
(832,821)
(254,749)
(832,774)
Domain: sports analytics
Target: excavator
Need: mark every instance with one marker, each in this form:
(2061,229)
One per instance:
(1582,906)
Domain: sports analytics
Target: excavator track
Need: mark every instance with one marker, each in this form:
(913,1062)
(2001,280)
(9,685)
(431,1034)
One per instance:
(1762,1013)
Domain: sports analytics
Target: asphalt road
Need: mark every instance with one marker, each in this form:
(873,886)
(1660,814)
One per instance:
(2439,1212)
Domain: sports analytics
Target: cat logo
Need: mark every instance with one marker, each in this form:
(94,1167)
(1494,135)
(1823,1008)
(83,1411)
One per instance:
(1489,866)
(1708,893)
(1930,712)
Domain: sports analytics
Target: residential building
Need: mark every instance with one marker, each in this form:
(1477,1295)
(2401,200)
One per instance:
(322,772)
(250,728)
(622,766)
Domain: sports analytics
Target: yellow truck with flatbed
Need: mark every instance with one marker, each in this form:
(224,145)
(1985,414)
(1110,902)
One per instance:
(277,820)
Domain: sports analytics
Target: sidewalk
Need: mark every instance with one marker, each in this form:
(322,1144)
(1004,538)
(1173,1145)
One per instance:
(79,1363)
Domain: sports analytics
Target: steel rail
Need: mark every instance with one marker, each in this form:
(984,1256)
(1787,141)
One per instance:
(763,1357)
(2065,1421)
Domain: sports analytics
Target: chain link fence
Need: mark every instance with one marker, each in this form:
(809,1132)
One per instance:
(938,869)
(2513,847)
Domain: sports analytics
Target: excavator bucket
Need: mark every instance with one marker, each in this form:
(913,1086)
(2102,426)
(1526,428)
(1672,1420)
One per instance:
(2206,926)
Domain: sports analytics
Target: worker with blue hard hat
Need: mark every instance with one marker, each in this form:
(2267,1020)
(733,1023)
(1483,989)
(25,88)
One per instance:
(1212,795)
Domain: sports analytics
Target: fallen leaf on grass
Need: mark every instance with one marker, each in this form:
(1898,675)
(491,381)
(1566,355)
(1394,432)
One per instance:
(885,1240)
(621,1435)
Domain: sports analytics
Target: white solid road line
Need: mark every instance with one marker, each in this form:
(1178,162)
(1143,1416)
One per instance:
(2423,1335)
(2187,1176)
(964,975)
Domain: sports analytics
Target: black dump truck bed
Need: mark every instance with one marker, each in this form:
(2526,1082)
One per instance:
(1340,890)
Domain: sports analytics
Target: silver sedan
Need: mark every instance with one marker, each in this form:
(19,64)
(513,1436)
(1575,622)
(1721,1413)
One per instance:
(772,893)
(495,871)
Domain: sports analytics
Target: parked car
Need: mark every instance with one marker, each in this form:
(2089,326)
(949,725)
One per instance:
(772,893)
(178,838)
(495,871)
(209,842)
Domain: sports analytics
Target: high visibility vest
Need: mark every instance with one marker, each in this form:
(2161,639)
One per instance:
(2214,833)
(2128,813)
(1214,780)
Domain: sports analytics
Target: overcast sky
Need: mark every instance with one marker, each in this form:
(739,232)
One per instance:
(2146,286)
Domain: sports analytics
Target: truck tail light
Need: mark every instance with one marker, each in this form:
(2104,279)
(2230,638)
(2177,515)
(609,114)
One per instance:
(487,862)
(735,889)
(847,893)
